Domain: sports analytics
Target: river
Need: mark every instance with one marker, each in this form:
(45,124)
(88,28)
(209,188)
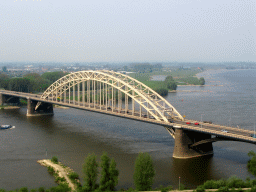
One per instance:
(227,98)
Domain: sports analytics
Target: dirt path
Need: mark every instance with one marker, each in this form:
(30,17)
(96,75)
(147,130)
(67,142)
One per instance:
(62,172)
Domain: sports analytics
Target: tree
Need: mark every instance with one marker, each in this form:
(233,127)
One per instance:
(201,81)
(170,83)
(4,69)
(144,172)
(90,169)
(109,173)
(53,76)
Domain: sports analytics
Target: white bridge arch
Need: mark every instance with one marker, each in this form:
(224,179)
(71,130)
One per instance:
(105,89)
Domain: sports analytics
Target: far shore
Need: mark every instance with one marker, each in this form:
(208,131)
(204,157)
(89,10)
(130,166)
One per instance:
(9,107)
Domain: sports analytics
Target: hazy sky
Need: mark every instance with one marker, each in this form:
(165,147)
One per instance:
(127,30)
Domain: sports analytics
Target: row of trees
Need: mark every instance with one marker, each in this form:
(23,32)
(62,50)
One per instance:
(143,175)
(32,82)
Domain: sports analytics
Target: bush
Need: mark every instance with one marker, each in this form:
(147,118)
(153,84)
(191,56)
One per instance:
(60,188)
(212,184)
(73,176)
(223,189)
(235,182)
(50,170)
(33,190)
(41,189)
(23,189)
(200,188)
(253,189)
(60,179)
(54,160)
(165,189)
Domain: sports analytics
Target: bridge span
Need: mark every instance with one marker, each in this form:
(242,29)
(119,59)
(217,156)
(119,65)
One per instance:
(116,94)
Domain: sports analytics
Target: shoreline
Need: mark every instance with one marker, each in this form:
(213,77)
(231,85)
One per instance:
(61,170)
(9,107)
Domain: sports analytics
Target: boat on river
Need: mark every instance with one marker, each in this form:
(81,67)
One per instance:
(6,126)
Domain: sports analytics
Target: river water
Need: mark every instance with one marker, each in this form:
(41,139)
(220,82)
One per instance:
(228,98)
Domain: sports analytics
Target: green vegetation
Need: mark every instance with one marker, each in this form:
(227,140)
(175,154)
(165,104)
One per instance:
(90,170)
(144,172)
(109,173)
(54,160)
(225,185)
(32,82)
(173,78)
(252,162)
(74,177)
(53,76)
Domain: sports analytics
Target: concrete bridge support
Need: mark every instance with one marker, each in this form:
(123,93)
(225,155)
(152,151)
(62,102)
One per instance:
(185,138)
(9,99)
(44,109)
(2,99)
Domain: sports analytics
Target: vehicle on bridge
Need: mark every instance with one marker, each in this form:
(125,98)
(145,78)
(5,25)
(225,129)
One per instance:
(196,123)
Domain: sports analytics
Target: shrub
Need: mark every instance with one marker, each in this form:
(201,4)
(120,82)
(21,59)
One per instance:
(235,182)
(200,188)
(165,189)
(41,189)
(50,170)
(223,189)
(73,176)
(60,179)
(23,189)
(54,160)
(60,188)
(253,189)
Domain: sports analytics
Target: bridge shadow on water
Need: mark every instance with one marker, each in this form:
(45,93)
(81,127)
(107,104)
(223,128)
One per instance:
(195,170)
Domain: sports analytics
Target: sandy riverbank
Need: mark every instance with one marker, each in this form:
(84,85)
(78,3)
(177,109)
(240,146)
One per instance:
(58,168)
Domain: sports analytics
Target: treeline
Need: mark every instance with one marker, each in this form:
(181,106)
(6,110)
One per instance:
(162,87)
(32,82)
(191,81)
(35,83)
(232,184)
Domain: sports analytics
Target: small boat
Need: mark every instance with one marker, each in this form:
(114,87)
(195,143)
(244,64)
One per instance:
(6,126)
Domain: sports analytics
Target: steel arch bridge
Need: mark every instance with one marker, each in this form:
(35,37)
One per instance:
(111,90)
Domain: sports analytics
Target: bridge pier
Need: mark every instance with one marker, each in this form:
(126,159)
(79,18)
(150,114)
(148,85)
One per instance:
(185,138)
(43,109)
(9,99)
(2,99)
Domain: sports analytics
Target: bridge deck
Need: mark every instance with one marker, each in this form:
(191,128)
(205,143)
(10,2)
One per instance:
(237,134)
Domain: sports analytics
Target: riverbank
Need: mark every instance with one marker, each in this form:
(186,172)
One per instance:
(60,169)
(9,107)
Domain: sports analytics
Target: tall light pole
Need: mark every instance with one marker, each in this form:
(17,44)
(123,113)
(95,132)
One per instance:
(201,120)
